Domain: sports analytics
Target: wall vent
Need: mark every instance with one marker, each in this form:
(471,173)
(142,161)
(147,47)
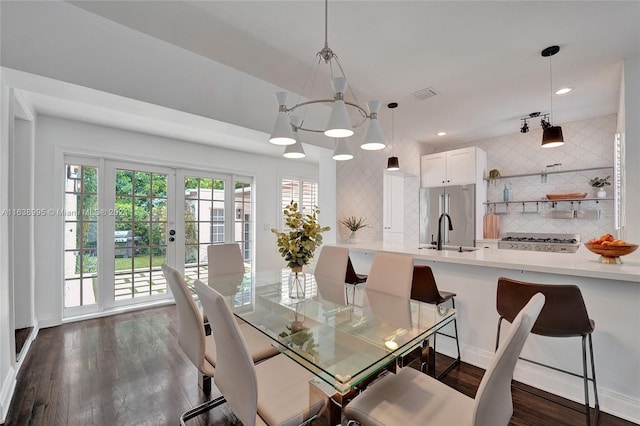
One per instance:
(423,94)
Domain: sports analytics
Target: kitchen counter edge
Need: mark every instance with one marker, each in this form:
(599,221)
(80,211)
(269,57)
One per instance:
(583,263)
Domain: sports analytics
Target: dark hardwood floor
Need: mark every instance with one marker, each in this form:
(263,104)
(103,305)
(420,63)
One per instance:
(129,370)
(22,334)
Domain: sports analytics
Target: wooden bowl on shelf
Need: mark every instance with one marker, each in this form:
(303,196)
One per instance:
(568,196)
(611,254)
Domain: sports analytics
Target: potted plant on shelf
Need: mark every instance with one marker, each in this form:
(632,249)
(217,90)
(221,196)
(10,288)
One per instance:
(353,224)
(298,242)
(599,183)
(494,174)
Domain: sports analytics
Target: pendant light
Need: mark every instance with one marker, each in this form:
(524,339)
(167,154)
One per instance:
(392,162)
(342,151)
(296,150)
(551,135)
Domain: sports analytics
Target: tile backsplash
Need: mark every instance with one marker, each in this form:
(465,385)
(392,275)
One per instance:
(589,143)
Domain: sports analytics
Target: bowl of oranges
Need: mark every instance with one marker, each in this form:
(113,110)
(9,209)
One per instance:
(609,248)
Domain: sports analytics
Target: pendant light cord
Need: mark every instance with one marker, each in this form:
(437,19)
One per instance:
(550,91)
(326,21)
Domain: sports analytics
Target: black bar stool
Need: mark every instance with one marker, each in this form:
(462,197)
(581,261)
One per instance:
(564,315)
(424,289)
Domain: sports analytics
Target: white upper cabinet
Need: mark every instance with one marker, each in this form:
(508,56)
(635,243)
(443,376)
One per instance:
(457,167)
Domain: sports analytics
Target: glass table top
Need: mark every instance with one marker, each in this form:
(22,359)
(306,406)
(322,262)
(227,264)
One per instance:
(341,332)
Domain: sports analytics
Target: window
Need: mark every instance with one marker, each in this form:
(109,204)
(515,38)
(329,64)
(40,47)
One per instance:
(304,192)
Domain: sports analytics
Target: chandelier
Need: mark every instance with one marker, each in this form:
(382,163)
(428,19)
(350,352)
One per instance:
(339,126)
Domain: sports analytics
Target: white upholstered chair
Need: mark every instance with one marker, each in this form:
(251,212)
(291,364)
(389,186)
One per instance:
(392,274)
(413,398)
(224,259)
(198,347)
(332,262)
(274,392)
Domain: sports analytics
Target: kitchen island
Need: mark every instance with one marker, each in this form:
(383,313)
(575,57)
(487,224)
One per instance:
(612,297)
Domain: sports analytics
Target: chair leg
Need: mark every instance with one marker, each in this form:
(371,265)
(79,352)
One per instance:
(586,380)
(596,413)
(202,408)
(204,382)
(455,336)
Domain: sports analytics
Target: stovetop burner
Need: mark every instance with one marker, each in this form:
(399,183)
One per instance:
(542,240)
(560,243)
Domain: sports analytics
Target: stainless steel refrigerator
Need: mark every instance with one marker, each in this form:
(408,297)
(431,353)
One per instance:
(459,202)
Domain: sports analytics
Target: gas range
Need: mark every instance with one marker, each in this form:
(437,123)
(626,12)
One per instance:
(556,243)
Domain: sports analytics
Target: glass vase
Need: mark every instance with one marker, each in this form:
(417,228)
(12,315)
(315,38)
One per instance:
(297,283)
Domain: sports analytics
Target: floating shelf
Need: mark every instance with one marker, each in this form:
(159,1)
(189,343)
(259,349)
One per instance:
(544,173)
(573,200)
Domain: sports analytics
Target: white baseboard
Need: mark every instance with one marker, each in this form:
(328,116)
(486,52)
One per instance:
(6,393)
(560,384)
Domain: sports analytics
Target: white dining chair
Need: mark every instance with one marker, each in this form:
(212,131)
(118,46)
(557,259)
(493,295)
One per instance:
(332,262)
(413,398)
(274,392)
(200,348)
(391,273)
(224,259)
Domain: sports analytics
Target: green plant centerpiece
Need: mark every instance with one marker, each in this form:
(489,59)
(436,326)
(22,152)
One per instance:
(354,223)
(598,182)
(302,235)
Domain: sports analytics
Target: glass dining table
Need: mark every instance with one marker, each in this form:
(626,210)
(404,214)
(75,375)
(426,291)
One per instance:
(343,333)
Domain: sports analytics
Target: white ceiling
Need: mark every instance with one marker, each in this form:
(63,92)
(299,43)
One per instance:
(483,58)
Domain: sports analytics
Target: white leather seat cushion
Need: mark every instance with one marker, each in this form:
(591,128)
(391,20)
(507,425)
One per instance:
(284,397)
(260,346)
(410,398)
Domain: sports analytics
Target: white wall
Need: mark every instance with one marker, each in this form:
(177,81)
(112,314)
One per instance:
(54,136)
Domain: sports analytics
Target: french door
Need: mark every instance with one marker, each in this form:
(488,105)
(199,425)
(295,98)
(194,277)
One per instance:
(124,220)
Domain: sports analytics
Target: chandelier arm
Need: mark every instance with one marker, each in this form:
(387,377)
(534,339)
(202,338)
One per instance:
(360,109)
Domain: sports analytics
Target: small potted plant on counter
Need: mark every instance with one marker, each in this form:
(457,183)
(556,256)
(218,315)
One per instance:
(353,224)
(599,183)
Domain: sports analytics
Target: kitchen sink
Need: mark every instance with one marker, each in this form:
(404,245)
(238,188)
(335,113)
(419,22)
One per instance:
(461,249)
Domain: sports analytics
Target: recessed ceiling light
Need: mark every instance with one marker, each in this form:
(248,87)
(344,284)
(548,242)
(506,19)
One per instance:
(441,133)
(564,91)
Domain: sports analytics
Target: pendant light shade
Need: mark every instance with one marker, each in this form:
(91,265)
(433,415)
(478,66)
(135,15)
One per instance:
(296,150)
(282,133)
(393,164)
(342,151)
(552,135)
(339,125)
(373,139)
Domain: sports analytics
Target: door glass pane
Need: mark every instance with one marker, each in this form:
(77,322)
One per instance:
(243,220)
(140,233)
(204,222)
(80,236)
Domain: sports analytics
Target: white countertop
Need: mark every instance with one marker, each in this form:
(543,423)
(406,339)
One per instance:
(583,263)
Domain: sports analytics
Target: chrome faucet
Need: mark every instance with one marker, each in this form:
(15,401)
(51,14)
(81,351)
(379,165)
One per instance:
(439,241)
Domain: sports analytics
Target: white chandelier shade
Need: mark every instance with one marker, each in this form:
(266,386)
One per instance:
(373,139)
(343,150)
(282,133)
(296,150)
(339,125)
